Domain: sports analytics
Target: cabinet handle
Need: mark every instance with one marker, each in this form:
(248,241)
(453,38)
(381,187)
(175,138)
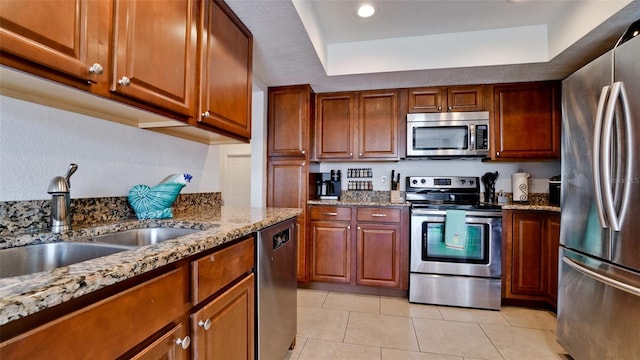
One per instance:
(359,154)
(350,154)
(184,342)
(303,164)
(206,114)
(359,228)
(125,81)
(205,324)
(378,215)
(330,213)
(348,227)
(450,108)
(498,154)
(96,69)
(303,152)
(439,107)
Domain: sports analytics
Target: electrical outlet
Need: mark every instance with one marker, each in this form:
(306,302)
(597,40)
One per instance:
(383,180)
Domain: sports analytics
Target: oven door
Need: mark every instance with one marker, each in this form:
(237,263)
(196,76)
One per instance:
(481,257)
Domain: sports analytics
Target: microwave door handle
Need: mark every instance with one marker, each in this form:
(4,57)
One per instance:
(597,158)
(472,137)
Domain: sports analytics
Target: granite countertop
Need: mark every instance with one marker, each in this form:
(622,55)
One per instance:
(27,294)
(534,207)
(357,203)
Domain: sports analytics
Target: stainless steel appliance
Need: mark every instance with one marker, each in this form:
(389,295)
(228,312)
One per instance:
(468,275)
(276,290)
(448,134)
(325,186)
(599,271)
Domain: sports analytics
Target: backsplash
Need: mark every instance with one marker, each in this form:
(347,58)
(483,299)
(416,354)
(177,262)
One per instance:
(30,216)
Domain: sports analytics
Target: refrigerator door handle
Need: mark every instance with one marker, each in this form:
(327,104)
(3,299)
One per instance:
(616,218)
(596,162)
(601,278)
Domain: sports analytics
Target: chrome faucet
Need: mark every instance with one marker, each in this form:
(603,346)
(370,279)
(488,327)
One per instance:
(59,188)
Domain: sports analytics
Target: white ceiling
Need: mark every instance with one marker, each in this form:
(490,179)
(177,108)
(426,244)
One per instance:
(410,43)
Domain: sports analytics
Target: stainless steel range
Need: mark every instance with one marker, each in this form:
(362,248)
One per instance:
(466,272)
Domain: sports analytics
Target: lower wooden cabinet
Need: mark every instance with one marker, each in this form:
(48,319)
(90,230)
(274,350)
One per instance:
(530,261)
(359,246)
(173,344)
(224,328)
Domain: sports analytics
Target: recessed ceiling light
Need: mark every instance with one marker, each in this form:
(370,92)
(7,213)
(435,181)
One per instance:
(366,10)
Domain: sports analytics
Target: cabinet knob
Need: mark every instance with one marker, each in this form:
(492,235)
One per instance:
(96,69)
(498,154)
(184,342)
(303,152)
(206,114)
(359,228)
(125,81)
(205,324)
(439,107)
(359,154)
(350,154)
(212,258)
(304,163)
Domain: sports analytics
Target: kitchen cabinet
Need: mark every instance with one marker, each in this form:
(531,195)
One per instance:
(530,264)
(226,70)
(224,328)
(357,126)
(58,39)
(155,61)
(444,99)
(290,121)
(330,244)
(147,54)
(171,345)
(525,121)
(378,247)
(364,247)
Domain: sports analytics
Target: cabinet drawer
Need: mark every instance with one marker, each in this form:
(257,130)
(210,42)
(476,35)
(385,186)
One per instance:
(378,214)
(330,213)
(212,272)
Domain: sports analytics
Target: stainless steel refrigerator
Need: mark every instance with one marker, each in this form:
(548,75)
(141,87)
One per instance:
(599,271)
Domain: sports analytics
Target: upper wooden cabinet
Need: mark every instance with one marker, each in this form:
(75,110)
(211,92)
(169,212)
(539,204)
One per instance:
(226,60)
(155,61)
(58,36)
(526,121)
(290,121)
(443,99)
(357,126)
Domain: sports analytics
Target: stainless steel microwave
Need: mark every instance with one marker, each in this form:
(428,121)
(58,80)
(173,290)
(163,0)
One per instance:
(448,134)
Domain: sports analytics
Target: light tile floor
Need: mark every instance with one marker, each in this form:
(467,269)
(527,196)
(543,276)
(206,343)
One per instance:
(351,327)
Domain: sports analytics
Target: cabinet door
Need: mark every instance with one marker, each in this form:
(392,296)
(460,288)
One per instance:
(330,250)
(530,250)
(59,35)
(173,345)
(287,182)
(301,256)
(224,328)
(289,120)
(465,98)
(378,125)
(552,236)
(226,71)
(378,255)
(526,121)
(155,53)
(425,100)
(335,125)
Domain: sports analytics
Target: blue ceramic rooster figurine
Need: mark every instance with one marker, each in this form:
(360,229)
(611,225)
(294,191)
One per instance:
(155,202)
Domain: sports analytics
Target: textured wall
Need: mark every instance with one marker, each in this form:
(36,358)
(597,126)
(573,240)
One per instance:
(38,143)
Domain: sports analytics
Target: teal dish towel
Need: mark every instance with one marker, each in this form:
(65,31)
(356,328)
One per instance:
(455,230)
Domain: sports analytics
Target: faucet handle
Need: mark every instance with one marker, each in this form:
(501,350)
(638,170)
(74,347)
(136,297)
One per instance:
(72,169)
(61,184)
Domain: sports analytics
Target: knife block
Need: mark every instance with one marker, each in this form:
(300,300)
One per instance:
(395,197)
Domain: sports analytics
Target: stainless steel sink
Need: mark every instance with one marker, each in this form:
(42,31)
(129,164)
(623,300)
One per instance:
(142,237)
(44,257)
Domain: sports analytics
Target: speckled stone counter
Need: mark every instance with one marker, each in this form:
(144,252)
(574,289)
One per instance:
(356,203)
(24,295)
(531,207)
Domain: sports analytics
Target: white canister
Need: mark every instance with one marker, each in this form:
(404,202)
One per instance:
(520,186)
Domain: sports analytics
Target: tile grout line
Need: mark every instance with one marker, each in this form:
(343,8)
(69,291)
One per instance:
(491,341)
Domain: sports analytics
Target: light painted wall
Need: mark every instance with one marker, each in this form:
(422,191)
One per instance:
(38,143)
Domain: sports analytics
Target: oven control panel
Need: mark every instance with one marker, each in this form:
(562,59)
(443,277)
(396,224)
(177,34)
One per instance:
(443,182)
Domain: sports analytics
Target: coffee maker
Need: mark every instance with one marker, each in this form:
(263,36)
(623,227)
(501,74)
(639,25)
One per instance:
(325,186)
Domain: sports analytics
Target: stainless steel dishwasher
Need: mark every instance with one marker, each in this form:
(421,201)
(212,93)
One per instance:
(277,284)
